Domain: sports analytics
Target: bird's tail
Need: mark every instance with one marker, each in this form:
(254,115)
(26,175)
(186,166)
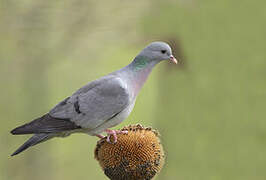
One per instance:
(35,139)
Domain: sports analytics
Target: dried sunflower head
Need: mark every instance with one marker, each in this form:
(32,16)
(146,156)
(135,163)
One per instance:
(137,155)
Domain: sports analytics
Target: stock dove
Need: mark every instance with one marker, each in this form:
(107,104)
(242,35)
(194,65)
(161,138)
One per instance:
(99,105)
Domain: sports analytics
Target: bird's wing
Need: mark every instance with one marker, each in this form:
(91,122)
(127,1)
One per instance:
(95,103)
(45,124)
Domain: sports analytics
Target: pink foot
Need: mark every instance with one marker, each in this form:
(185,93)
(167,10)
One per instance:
(113,133)
(99,136)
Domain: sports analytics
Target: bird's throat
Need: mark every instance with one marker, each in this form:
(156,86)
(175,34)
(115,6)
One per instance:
(140,69)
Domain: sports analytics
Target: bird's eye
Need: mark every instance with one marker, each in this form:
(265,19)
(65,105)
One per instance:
(163,51)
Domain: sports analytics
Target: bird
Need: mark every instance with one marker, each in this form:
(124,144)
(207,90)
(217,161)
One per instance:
(99,105)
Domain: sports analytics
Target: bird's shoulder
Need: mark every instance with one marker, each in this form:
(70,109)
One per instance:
(109,83)
(109,90)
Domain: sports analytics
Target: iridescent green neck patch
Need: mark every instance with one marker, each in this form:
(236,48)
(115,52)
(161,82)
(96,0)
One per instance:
(140,63)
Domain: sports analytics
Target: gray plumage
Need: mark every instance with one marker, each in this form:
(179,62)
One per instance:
(46,124)
(100,104)
(94,104)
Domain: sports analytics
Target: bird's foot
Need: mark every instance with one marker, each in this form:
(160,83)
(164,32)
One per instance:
(99,136)
(113,133)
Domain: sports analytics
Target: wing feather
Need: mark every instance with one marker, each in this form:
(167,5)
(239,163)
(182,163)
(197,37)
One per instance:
(45,124)
(95,103)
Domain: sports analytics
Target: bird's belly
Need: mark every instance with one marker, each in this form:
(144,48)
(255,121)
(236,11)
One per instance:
(114,121)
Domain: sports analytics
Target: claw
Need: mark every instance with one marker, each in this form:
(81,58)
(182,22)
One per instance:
(99,136)
(121,132)
(113,133)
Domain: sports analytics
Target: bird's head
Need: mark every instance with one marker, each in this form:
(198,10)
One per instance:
(157,51)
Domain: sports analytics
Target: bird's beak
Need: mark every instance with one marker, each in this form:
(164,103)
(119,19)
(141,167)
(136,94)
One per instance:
(173,59)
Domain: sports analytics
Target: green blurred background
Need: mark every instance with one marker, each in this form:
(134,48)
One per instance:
(210,110)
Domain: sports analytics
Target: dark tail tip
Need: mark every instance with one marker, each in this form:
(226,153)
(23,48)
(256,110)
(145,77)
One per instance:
(20,130)
(21,148)
(14,131)
(16,152)
(35,139)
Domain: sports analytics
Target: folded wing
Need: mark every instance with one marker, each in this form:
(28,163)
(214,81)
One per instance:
(95,103)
